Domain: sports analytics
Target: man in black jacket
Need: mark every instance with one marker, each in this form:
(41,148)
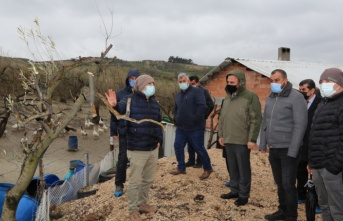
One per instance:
(189,117)
(143,142)
(194,81)
(119,128)
(307,88)
(326,145)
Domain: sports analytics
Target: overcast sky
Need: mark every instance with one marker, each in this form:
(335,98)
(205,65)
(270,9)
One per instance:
(202,30)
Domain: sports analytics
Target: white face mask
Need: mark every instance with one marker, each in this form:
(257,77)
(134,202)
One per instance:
(327,89)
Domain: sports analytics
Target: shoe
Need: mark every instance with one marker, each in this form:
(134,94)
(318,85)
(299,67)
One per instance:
(206,174)
(119,191)
(278,215)
(228,184)
(177,172)
(189,164)
(318,210)
(134,216)
(146,208)
(197,165)
(301,201)
(241,201)
(229,196)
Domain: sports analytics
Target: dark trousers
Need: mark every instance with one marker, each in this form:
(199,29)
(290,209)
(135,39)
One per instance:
(284,170)
(122,161)
(196,139)
(238,160)
(302,178)
(191,155)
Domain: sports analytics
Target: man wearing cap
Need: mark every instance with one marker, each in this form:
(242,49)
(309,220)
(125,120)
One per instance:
(189,117)
(326,145)
(143,142)
(119,128)
(239,126)
(283,127)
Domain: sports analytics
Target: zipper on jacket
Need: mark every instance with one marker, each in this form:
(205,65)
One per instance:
(271,117)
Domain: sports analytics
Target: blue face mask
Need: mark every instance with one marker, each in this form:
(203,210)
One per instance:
(149,90)
(132,82)
(276,88)
(183,86)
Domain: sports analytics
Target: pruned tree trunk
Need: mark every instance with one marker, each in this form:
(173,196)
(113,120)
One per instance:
(30,165)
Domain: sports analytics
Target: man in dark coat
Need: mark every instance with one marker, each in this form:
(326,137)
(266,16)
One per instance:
(189,118)
(194,81)
(307,88)
(143,142)
(119,128)
(325,155)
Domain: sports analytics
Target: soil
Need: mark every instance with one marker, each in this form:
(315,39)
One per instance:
(180,197)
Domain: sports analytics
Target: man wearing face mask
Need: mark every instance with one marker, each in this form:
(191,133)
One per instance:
(239,126)
(119,128)
(143,142)
(326,145)
(283,128)
(307,88)
(189,117)
(194,81)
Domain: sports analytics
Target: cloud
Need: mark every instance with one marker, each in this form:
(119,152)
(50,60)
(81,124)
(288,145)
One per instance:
(205,31)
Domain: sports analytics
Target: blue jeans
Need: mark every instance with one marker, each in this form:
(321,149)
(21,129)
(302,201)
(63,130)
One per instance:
(196,139)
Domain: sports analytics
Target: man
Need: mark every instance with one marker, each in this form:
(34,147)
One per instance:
(189,118)
(143,142)
(239,125)
(307,88)
(326,145)
(194,81)
(118,127)
(283,128)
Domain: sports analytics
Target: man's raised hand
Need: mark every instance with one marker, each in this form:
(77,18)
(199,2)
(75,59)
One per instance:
(111,97)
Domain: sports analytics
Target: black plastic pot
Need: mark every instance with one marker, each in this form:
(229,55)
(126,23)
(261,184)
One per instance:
(86,193)
(107,175)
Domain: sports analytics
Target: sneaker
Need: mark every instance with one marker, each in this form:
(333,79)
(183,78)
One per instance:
(301,201)
(229,196)
(228,184)
(146,208)
(119,191)
(197,165)
(189,164)
(318,210)
(134,216)
(278,215)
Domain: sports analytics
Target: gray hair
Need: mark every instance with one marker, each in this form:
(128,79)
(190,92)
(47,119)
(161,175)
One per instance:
(182,75)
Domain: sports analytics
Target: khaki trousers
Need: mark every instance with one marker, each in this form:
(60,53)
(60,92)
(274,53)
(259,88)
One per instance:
(142,172)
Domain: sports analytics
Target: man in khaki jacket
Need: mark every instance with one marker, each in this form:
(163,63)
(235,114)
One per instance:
(239,125)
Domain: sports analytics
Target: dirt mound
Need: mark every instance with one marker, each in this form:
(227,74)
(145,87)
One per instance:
(176,196)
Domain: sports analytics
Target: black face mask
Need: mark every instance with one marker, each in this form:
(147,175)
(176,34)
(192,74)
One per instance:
(305,95)
(231,88)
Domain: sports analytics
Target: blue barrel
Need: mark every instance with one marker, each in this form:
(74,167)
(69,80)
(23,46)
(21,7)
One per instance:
(67,194)
(3,190)
(72,143)
(75,163)
(48,178)
(27,208)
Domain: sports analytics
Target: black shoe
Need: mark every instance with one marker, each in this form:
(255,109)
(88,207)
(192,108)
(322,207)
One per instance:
(241,201)
(198,165)
(189,164)
(229,196)
(278,215)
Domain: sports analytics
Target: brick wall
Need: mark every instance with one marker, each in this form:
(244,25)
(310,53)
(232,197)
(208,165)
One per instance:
(254,82)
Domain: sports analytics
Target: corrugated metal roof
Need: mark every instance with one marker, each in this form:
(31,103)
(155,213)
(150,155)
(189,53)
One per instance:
(296,71)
